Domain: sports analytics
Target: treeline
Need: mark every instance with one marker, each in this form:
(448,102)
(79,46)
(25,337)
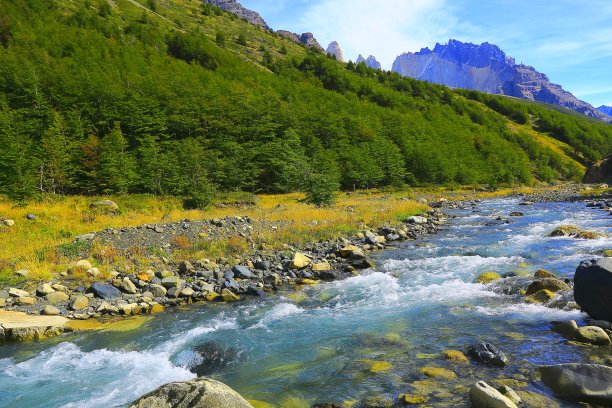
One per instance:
(94,100)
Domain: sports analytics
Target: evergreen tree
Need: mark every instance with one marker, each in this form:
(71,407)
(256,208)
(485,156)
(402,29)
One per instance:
(149,165)
(89,165)
(56,169)
(322,183)
(242,40)
(116,173)
(18,165)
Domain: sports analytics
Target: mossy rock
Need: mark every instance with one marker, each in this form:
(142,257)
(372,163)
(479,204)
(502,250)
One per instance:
(608,253)
(380,366)
(437,372)
(456,356)
(535,400)
(589,235)
(261,404)
(565,231)
(542,273)
(487,277)
(541,296)
(412,399)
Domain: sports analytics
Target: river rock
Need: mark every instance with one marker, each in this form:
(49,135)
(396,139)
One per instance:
(482,395)
(300,261)
(487,354)
(14,292)
(209,357)
(273,279)
(242,272)
(51,311)
(127,286)
(187,292)
(200,393)
(565,231)
(228,296)
(157,290)
(57,297)
(551,284)
(79,303)
(172,282)
(567,329)
(510,394)
(593,335)
(321,267)
(580,382)
(593,286)
(104,291)
(416,220)
(26,300)
(541,274)
(44,289)
(487,277)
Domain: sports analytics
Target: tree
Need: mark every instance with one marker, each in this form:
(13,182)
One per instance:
(242,40)
(56,170)
(220,39)
(6,34)
(116,174)
(152,4)
(267,59)
(149,169)
(283,49)
(322,183)
(89,165)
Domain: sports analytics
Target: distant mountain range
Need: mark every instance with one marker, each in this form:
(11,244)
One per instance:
(605,109)
(484,67)
(488,69)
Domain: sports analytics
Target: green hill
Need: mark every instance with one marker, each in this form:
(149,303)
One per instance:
(176,97)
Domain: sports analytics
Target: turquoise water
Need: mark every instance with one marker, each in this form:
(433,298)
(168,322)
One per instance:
(319,347)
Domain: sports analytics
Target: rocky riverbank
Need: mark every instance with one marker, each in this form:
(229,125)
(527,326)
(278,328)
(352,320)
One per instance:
(164,283)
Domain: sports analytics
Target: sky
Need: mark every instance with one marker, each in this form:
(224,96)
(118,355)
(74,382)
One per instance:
(568,40)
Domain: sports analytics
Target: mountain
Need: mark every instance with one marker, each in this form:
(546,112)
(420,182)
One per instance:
(370,62)
(306,39)
(334,49)
(488,69)
(127,99)
(605,109)
(234,7)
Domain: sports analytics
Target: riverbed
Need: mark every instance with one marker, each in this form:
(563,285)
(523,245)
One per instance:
(366,336)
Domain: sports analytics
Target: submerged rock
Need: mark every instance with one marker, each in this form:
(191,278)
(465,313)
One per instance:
(551,284)
(200,393)
(487,354)
(487,277)
(580,382)
(592,288)
(209,357)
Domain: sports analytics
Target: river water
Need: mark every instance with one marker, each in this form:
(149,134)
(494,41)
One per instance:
(320,344)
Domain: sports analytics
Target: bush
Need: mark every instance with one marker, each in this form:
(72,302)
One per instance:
(322,190)
(200,197)
(242,39)
(220,39)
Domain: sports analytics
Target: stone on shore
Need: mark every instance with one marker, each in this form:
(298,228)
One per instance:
(590,383)
(14,292)
(229,296)
(104,291)
(593,286)
(105,206)
(200,393)
(321,267)
(79,303)
(51,311)
(300,261)
(242,272)
(18,326)
(57,297)
(128,287)
(482,395)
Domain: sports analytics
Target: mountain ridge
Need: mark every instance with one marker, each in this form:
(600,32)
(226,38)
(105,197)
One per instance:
(487,68)
(605,109)
(235,7)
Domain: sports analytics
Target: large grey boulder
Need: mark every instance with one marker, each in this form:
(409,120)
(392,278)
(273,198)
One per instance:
(482,395)
(580,382)
(593,286)
(200,393)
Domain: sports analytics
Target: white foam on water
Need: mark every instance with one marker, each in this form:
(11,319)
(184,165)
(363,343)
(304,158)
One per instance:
(278,312)
(448,291)
(375,289)
(529,312)
(117,377)
(180,339)
(449,267)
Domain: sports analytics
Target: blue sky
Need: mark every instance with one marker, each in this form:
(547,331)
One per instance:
(569,40)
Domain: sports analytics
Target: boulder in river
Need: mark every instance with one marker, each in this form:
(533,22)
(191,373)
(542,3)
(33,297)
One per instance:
(487,354)
(580,382)
(209,357)
(482,395)
(593,286)
(487,277)
(200,393)
(551,284)
(593,335)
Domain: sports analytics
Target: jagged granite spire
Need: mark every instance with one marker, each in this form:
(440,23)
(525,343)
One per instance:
(487,68)
(234,7)
(334,49)
(370,62)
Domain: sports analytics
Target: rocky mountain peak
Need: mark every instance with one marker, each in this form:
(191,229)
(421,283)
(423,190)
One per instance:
(371,61)
(605,109)
(334,49)
(305,38)
(235,7)
(487,68)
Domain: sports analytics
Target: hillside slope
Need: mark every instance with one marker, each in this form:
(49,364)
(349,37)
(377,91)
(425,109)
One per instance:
(182,98)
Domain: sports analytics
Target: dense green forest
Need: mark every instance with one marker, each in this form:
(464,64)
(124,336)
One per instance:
(174,97)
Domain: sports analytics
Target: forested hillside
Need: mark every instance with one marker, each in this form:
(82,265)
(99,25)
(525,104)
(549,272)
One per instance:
(176,97)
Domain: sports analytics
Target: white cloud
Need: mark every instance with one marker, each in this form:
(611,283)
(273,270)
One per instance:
(384,29)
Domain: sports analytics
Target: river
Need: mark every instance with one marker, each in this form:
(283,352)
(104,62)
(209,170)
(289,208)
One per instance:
(365,336)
